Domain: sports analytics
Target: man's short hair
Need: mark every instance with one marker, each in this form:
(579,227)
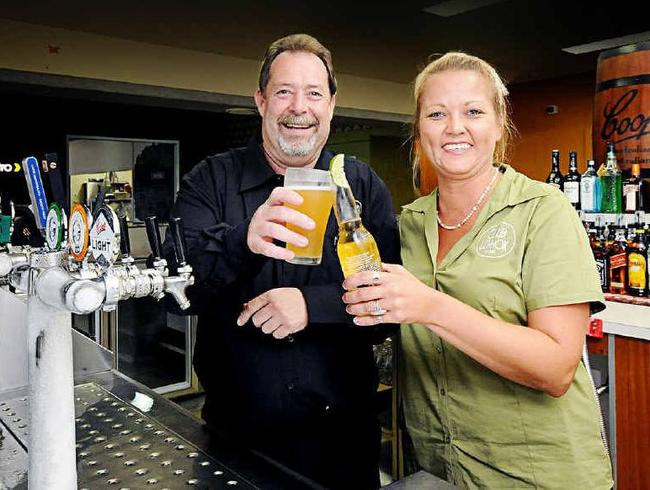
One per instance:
(297,42)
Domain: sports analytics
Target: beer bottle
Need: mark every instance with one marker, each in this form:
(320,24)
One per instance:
(571,184)
(612,187)
(601,255)
(590,189)
(618,263)
(356,247)
(632,190)
(555,176)
(637,265)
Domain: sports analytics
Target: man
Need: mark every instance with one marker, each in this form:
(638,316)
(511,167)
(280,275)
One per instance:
(284,368)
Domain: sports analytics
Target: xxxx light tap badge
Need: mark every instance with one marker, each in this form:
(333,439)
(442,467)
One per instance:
(104,237)
(78,227)
(54,227)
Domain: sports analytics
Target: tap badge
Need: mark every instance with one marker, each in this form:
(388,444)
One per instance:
(54,227)
(78,227)
(104,237)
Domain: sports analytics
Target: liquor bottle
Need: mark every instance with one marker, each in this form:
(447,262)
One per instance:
(637,265)
(571,182)
(618,263)
(590,189)
(356,247)
(555,176)
(601,256)
(633,190)
(612,188)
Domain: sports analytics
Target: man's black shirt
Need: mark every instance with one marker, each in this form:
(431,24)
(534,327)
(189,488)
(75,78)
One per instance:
(286,397)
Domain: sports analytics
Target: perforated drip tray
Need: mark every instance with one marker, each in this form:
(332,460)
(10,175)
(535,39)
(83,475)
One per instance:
(15,415)
(122,448)
(119,447)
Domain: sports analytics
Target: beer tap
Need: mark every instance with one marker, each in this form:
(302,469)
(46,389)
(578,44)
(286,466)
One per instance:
(159,263)
(176,285)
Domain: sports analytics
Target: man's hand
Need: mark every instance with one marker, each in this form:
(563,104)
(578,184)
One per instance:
(269,223)
(280,311)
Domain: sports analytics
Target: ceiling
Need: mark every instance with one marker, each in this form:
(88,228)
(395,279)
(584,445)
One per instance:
(389,41)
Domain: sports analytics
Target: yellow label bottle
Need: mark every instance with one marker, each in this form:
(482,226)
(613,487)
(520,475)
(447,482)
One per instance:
(637,265)
(356,247)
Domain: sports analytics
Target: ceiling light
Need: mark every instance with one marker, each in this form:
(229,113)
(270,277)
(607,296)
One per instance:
(613,42)
(449,8)
(241,111)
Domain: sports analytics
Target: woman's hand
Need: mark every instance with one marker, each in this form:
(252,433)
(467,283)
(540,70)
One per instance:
(394,296)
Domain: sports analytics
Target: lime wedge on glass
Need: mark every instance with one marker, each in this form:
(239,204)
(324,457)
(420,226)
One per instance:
(337,170)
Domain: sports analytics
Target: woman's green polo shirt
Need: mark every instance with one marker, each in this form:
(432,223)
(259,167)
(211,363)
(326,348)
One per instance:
(527,250)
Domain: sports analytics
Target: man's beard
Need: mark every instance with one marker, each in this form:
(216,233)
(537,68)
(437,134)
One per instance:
(299,148)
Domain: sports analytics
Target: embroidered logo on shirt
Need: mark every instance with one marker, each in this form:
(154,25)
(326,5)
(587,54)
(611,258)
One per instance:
(497,241)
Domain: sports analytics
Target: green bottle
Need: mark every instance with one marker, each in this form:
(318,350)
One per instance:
(611,184)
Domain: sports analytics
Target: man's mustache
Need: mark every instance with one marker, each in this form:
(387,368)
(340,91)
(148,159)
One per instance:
(298,121)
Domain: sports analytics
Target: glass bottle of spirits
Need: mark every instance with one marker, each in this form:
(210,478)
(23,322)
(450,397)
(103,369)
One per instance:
(618,263)
(611,184)
(590,189)
(601,255)
(356,247)
(633,191)
(637,265)
(571,183)
(555,176)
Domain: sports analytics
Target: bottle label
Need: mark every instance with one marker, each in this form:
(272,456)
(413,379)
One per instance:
(629,193)
(616,261)
(637,271)
(602,271)
(572,192)
(553,184)
(587,193)
(366,261)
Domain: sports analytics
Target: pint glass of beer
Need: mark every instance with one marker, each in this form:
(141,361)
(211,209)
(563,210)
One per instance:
(318,191)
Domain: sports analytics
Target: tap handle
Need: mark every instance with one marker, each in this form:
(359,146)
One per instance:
(125,242)
(154,236)
(180,247)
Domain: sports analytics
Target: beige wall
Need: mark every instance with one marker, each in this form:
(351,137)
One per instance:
(49,50)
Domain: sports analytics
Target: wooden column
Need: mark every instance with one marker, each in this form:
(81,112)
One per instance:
(632,412)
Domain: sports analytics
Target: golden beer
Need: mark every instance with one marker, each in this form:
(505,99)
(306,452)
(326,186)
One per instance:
(317,205)
(357,249)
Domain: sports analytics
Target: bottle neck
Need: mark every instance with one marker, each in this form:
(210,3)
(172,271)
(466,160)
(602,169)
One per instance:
(348,226)
(555,162)
(345,207)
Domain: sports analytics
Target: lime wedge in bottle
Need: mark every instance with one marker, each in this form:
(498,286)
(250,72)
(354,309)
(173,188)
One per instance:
(337,171)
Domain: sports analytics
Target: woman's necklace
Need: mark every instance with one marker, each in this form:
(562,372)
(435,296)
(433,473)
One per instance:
(474,208)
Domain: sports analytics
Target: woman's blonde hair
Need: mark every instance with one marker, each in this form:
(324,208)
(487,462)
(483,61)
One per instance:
(458,61)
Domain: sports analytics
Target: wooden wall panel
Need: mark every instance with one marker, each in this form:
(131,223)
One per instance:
(540,133)
(632,413)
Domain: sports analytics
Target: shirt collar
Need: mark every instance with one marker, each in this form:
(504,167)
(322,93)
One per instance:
(257,170)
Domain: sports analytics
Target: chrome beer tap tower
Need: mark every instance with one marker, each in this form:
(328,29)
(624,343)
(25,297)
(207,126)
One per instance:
(79,275)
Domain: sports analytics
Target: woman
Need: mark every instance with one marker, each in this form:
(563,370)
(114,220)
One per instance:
(494,297)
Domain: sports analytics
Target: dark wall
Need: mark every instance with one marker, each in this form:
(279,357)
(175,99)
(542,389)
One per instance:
(37,124)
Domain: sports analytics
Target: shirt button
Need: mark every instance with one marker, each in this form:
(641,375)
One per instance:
(438,349)
(290,339)
(442,391)
(447,438)
(290,386)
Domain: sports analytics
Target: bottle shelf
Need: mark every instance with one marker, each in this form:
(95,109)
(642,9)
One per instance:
(607,218)
(626,299)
